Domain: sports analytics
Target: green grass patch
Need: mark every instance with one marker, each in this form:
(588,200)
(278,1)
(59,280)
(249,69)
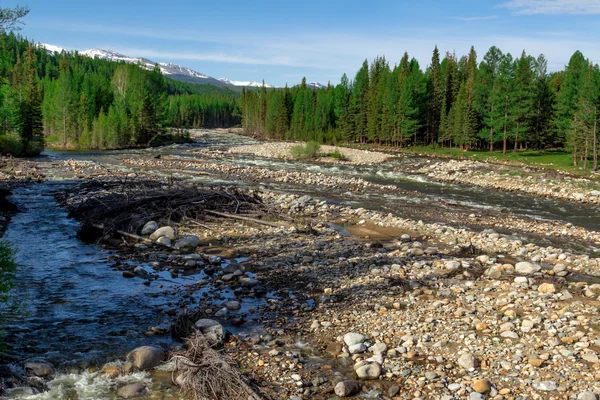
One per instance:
(552,159)
(337,155)
(308,152)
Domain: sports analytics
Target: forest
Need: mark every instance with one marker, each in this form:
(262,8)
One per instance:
(72,101)
(501,103)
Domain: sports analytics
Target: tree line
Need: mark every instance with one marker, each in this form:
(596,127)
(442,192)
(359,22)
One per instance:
(498,103)
(73,101)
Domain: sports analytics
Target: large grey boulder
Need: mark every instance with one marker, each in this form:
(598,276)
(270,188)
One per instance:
(39,368)
(149,228)
(164,231)
(146,357)
(188,242)
(212,331)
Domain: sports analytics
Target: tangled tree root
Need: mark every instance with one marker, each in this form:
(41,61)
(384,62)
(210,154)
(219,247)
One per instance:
(204,374)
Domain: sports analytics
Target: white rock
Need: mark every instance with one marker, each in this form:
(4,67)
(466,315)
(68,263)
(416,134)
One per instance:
(353,338)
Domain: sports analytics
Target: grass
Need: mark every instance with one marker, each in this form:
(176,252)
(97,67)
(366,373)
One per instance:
(308,152)
(559,160)
(337,155)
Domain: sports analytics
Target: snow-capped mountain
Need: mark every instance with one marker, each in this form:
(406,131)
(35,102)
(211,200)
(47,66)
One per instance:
(244,83)
(173,71)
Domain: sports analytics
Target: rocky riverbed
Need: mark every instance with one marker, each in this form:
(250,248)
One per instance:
(533,181)
(329,300)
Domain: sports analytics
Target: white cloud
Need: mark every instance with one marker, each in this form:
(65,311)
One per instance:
(531,7)
(477,18)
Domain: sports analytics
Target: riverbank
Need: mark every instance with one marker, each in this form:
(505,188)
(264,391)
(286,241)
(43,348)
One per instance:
(324,297)
(396,311)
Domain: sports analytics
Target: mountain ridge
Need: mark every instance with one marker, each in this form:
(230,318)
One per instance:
(174,71)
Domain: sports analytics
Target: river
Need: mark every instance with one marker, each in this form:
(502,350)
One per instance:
(75,311)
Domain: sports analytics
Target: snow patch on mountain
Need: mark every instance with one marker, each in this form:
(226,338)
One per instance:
(244,83)
(316,85)
(51,49)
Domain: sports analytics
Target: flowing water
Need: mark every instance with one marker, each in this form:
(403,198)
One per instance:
(75,311)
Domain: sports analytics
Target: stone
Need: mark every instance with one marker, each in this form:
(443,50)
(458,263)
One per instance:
(212,331)
(378,348)
(547,288)
(431,375)
(222,313)
(481,326)
(587,395)
(536,362)
(131,391)
(369,371)
(161,232)
(149,228)
(357,348)
(187,242)
(453,387)
(476,396)
(111,370)
(39,368)
(164,240)
(527,268)
(590,357)
(393,390)
(546,386)
(353,338)
(248,282)
(146,357)
(233,305)
(509,335)
(467,361)
(482,385)
(347,388)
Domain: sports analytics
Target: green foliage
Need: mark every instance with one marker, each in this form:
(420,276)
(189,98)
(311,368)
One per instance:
(308,152)
(10,143)
(337,155)
(10,18)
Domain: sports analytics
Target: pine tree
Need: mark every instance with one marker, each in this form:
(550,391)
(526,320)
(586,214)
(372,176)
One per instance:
(488,96)
(29,114)
(434,94)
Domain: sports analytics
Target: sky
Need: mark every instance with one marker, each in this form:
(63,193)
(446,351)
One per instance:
(282,41)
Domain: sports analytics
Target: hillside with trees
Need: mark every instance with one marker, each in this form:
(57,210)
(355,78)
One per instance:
(499,103)
(71,101)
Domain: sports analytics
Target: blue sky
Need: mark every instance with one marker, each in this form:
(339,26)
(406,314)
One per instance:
(281,41)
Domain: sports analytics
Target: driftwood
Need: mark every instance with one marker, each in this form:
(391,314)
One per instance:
(204,374)
(124,207)
(258,221)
